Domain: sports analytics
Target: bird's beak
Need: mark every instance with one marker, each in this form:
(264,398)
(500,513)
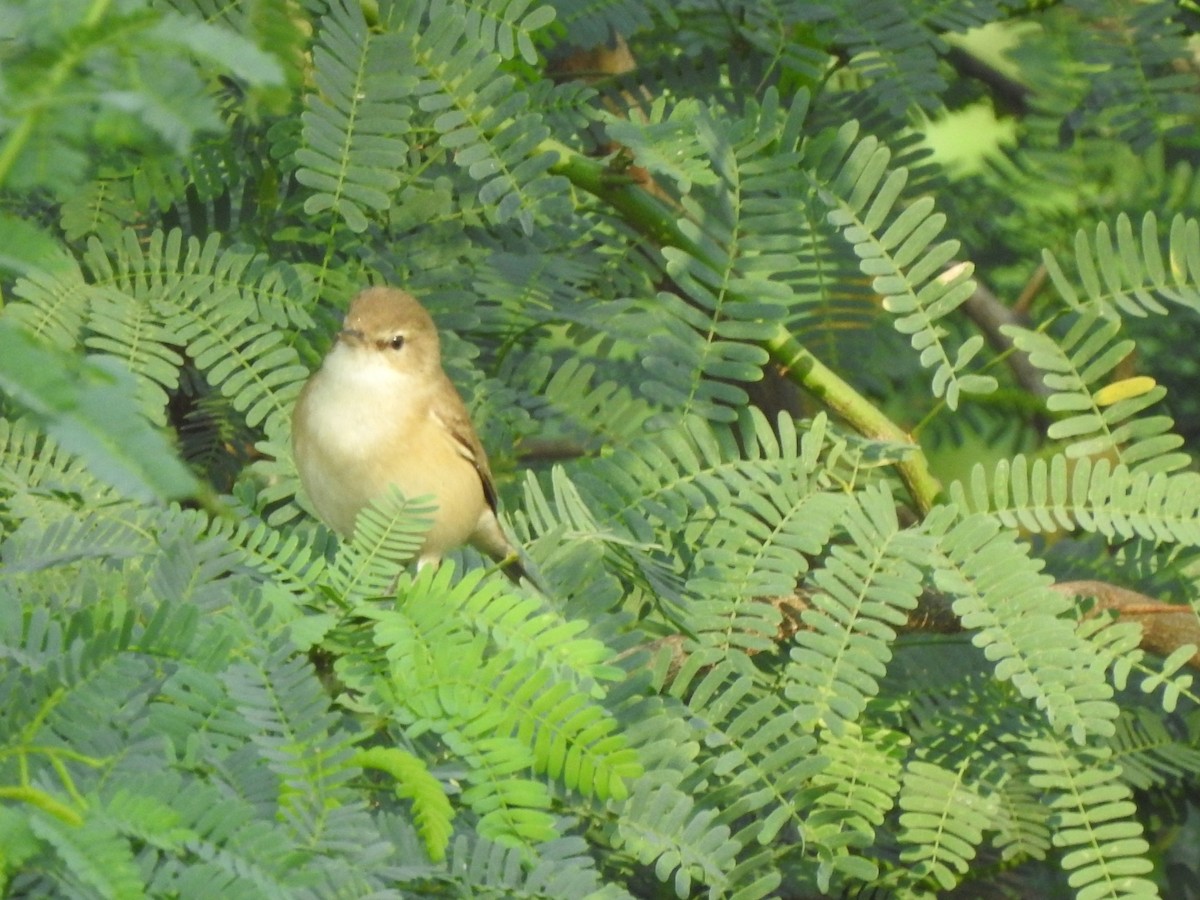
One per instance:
(351,336)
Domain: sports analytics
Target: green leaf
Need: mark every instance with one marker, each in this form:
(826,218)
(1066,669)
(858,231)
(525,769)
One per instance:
(26,249)
(223,46)
(90,407)
(431,808)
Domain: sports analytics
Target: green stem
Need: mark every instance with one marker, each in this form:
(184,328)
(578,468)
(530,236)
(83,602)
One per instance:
(14,144)
(637,205)
(655,220)
(20,135)
(96,13)
(837,395)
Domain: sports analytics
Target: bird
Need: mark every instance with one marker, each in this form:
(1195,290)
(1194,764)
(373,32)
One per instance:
(381,412)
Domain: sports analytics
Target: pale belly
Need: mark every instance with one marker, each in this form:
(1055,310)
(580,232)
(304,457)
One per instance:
(351,453)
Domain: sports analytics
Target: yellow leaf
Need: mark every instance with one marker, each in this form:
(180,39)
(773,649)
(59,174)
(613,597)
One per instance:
(1124,389)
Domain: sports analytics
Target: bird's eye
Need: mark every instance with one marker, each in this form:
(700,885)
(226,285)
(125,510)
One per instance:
(396,342)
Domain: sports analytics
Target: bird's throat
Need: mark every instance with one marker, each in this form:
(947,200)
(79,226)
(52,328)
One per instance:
(359,399)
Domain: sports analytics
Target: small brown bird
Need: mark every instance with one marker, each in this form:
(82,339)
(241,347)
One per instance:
(380,411)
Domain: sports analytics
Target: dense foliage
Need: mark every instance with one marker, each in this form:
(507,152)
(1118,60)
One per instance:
(869,540)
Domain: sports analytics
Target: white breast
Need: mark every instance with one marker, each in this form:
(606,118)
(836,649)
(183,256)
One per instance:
(358,399)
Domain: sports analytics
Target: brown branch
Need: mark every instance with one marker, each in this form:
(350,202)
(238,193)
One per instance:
(1032,288)
(1165,626)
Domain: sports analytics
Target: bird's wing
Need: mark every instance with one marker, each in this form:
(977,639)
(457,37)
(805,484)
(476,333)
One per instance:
(453,417)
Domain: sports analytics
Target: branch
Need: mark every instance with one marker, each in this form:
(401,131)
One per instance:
(841,398)
(656,221)
(1165,626)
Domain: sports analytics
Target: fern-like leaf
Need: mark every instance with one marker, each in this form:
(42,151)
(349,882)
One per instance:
(234,852)
(210,301)
(896,246)
(862,593)
(96,535)
(593,23)
(661,826)
(88,405)
(557,868)
(96,856)
(388,533)
(764,758)
(575,549)
(131,332)
(354,127)
(482,116)
(1104,851)
(54,305)
(850,797)
(432,812)
(298,737)
(728,277)
(942,822)
(607,410)
(1047,497)
(778,515)
(1136,89)
(571,738)
(293,562)
(507,26)
(1149,755)
(104,207)
(1023,832)
(504,714)
(519,623)
(34,465)
(1101,418)
(896,53)
(1130,275)
(1019,622)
